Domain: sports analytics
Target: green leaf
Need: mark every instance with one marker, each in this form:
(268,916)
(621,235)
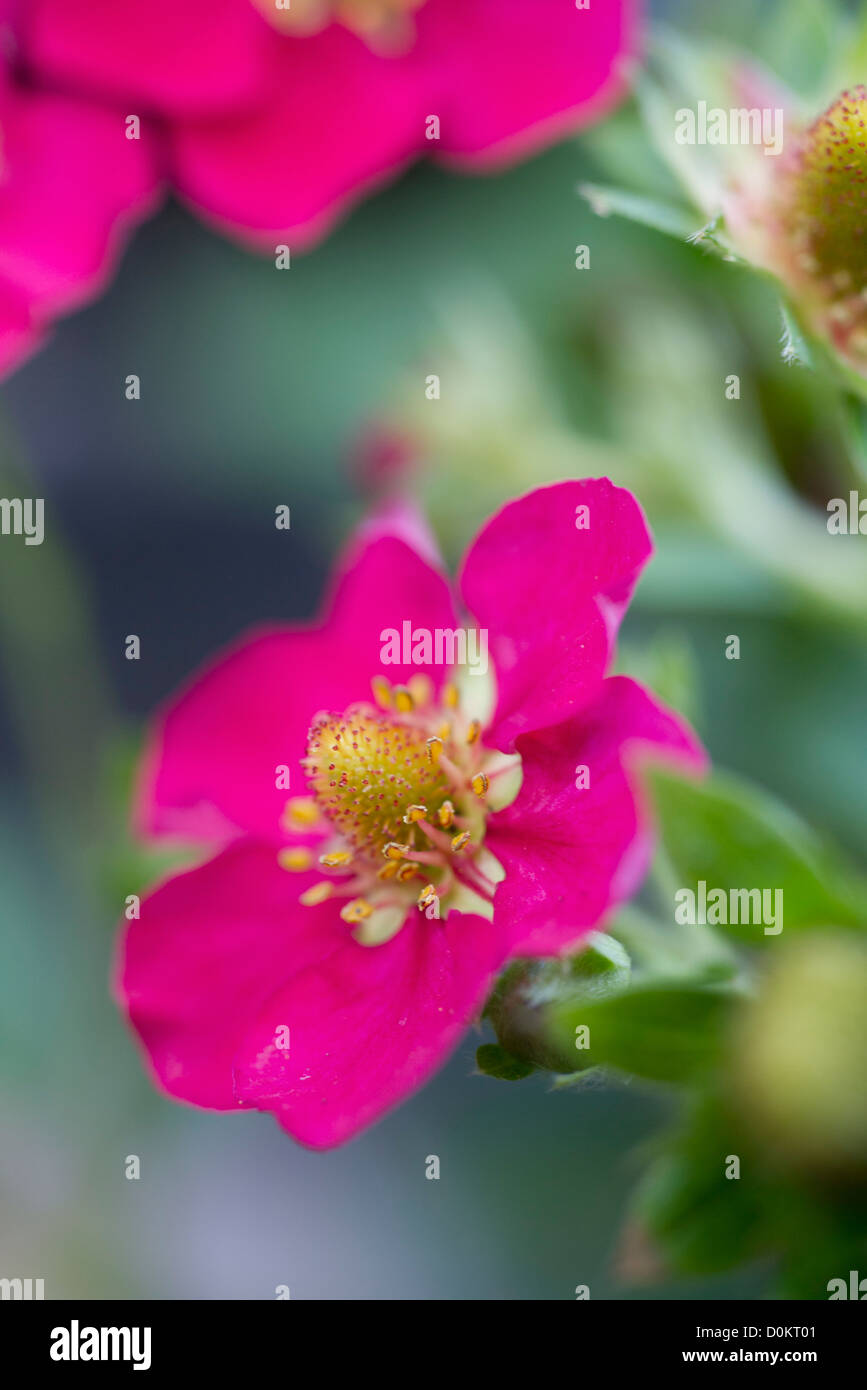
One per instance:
(493,1060)
(855,425)
(586,1013)
(660,1031)
(802,38)
(602,967)
(730,835)
(662,217)
(704,1221)
(794,347)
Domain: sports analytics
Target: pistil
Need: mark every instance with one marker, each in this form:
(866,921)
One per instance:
(404,791)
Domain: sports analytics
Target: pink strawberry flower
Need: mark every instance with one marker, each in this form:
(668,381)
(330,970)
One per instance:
(71,185)
(278,115)
(389,831)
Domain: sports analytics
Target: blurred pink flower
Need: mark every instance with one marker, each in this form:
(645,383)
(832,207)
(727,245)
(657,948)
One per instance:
(71,185)
(329,957)
(277,117)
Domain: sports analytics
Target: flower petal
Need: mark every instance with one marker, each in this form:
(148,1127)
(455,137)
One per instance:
(367,1026)
(552,595)
(515,76)
(177,57)
(212,765)
(209,949)
(72,185)
(389,574)
(570,854)
(339,121)
(19,335)
(210,771)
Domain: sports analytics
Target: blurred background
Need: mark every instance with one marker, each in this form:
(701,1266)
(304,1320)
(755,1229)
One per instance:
(306,388)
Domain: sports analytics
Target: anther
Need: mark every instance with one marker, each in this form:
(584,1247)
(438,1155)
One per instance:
(427,895)
(381,692)
(413,814)
(479,784)
(405,872)
(403,700)
(446,814)
(421,689)
(434,751)
(295,858)
(460,840)
(393,850)
(312,897)
(300,812)
(337,859)
(356,911)
(450,695)
(473,731)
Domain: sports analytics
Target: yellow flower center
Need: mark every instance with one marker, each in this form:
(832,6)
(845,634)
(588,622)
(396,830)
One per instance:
(381,23)
(402,786)
(365,772)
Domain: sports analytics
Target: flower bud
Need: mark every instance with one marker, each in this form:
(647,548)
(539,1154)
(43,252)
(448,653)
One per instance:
(801,1056)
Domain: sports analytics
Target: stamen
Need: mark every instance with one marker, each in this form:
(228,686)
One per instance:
(381,692)
(337,859)
(397,792)
(439,838)
(452,772)
(299,813)
(425,856)
(295,858)
(386,26)
(393,850)
(356,911)
(450,695)
(421,689)
(312,897)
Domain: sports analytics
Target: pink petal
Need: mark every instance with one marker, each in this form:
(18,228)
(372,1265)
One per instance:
(72,186)
(389,574)
(210,948)
(367,1026)
(211,766)
(274,136)
(178,57)
(212,763)
(571,854)
(513,76)
(19,335)
(552,596)
(339,121)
